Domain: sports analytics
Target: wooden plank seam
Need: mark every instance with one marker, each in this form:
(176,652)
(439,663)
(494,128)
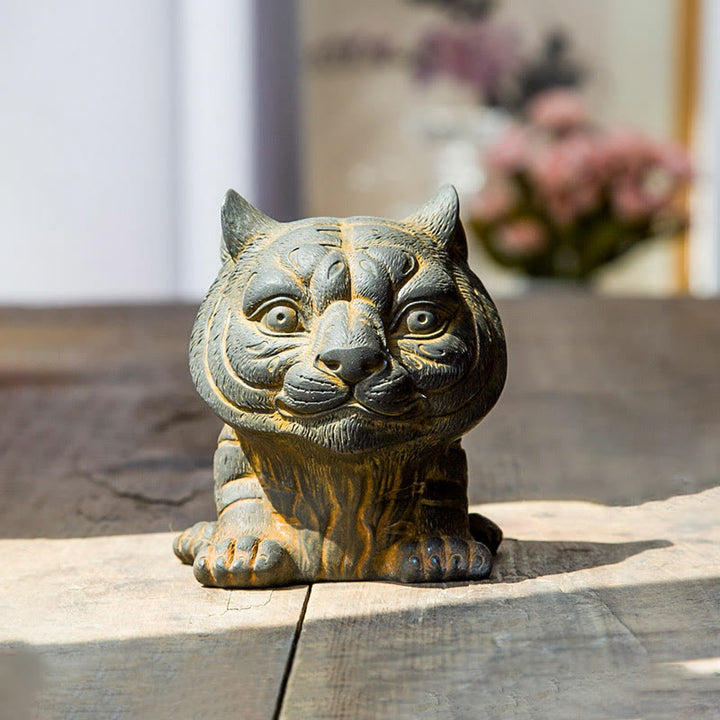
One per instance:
(291,656)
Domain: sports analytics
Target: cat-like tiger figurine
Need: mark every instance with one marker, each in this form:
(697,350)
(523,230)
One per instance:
(346,358)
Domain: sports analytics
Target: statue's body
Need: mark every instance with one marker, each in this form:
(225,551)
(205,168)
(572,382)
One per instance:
(346,357)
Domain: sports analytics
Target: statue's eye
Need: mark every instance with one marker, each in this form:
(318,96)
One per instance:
(281,318)
(422,320)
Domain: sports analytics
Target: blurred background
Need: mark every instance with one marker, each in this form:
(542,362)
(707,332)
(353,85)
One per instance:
(580,135)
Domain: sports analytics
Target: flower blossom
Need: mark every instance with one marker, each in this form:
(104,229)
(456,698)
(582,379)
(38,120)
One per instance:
(511,153)
(521,237)
(565,197)
(643,175)
(560,110)
(566,178)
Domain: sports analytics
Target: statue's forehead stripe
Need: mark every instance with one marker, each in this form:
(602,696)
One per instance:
(367,275)
(331,280)
(303,260)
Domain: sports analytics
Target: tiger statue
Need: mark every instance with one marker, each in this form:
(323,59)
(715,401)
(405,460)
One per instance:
(346,357)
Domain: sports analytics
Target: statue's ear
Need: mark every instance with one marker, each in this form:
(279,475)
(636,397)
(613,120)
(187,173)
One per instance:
(440,218)
(241,223)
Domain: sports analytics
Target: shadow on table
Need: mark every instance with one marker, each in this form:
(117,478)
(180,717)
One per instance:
(519,560)
(210,675)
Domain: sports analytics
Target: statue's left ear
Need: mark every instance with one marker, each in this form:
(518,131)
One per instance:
(241,224)
(440,218)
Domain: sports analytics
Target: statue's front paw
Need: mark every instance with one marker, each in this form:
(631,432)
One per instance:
(189,543)
(438,559)
(244,562)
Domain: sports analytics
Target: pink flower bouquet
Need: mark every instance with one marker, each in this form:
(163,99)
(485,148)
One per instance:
(563,198)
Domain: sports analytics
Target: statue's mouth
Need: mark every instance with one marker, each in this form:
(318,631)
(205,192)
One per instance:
(288,409)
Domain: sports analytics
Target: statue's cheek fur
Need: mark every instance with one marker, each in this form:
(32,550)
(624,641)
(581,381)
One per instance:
(261,360)
(437,363)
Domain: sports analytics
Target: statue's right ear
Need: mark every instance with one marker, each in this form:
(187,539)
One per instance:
(241,223)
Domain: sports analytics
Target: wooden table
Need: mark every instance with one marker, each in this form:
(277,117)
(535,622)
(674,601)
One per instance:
(601,462)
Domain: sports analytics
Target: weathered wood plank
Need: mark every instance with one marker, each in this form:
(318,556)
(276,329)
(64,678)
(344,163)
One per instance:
(101,431)
(116,627)
(594,612)
(609,400)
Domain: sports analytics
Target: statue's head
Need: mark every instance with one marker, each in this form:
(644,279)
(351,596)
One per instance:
(351,333)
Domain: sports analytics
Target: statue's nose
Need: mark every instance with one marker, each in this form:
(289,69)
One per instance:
(352,364)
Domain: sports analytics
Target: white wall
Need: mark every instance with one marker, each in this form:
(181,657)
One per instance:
(215,91)
(86,150)
(237,122)
(121,126)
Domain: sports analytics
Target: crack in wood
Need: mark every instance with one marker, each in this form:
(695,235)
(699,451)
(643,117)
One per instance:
(142,498)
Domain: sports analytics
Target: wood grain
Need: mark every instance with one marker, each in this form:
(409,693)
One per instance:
(101,430)
(609,400)
(115,627)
